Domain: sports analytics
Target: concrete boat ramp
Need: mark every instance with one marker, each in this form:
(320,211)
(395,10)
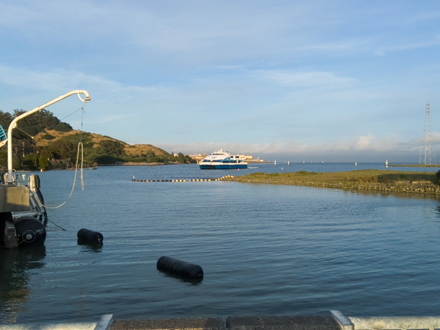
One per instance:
(334,320)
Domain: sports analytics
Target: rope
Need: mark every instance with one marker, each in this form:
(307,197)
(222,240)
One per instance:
(61,120)
(56,225)
(82,108)
(80,146)
(32,137)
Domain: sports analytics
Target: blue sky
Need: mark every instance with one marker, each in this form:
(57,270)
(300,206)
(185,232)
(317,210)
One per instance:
(288,80)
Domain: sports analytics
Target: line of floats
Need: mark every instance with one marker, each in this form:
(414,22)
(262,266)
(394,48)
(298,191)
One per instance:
(184,180)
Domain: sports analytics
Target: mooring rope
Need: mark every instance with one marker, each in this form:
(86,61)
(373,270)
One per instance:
(32,137)
(56,225)
(80,147)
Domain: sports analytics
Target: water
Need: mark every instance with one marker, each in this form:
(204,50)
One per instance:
(265,250)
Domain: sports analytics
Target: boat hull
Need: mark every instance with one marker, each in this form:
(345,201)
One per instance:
(23,216)
(221,166)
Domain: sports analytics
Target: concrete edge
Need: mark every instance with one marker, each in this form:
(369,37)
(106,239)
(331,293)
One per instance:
(396,322)
(343,321)
(51,326)
(105,322)
(196,323)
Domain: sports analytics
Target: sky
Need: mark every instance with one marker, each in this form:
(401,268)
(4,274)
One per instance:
(340,80)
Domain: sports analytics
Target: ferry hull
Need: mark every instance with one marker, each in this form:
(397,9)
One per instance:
(221,166)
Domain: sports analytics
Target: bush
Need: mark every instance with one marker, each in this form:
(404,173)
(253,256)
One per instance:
(30,161)
(305,173)
(44,162)
(63,127)
(437,175)
(107,160)
(383,179)
(48,137)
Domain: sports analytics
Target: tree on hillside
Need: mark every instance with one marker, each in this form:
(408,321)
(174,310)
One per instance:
(151,157)
(5,120)
(106,152)
(181,158)
(3,157)
(44,161)
(63,127)
(37,122)
(30,161)
(62,149)
(111,148)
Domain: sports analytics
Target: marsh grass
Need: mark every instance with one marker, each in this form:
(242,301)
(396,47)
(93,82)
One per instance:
(341,178)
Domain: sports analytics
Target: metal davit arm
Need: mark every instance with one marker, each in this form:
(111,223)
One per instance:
(41,107)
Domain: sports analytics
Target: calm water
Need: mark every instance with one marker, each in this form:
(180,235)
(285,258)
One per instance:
(265,250)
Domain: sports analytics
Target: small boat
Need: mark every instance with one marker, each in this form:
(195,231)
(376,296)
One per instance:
(23,215)
(222,160)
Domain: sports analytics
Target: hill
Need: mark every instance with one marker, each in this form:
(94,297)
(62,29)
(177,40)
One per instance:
(47,143)
(49,136)
(96,141)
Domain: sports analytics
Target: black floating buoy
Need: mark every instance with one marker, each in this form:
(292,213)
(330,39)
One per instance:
(30,232)
(86,236)
(180,268)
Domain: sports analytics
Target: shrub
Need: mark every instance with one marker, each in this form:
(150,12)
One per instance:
(48,137)
(383,179)
(63,127)
(306,173)
(437,175)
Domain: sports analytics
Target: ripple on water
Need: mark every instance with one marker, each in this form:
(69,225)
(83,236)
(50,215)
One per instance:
(265,250)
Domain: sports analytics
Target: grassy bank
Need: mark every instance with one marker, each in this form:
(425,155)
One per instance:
(371,180)
(414,165)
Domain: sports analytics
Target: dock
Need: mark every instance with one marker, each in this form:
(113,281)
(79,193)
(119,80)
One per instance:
(333,320)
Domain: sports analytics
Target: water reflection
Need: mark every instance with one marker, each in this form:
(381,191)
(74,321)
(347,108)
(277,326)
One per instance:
(14,279)
(375,193)
(91,247)
(438,211)
(189,281)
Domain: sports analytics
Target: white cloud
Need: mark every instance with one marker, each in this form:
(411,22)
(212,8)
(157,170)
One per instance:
(390,145)
(249,72)
(364,142)
(308,79)
(404,45)
(61,81)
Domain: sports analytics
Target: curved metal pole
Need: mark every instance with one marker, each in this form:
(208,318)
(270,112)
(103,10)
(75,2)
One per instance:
(41,107)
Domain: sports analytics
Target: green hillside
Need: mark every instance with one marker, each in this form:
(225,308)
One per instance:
(42,141)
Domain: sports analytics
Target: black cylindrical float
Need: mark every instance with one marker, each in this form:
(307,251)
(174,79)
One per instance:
(180,268)
(30,232)
(89,236)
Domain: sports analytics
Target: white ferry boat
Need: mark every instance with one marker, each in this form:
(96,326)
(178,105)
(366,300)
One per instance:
(222,160)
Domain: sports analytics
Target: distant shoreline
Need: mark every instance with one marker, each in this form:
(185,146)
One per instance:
(425,183)
(414,165)
(136,164)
